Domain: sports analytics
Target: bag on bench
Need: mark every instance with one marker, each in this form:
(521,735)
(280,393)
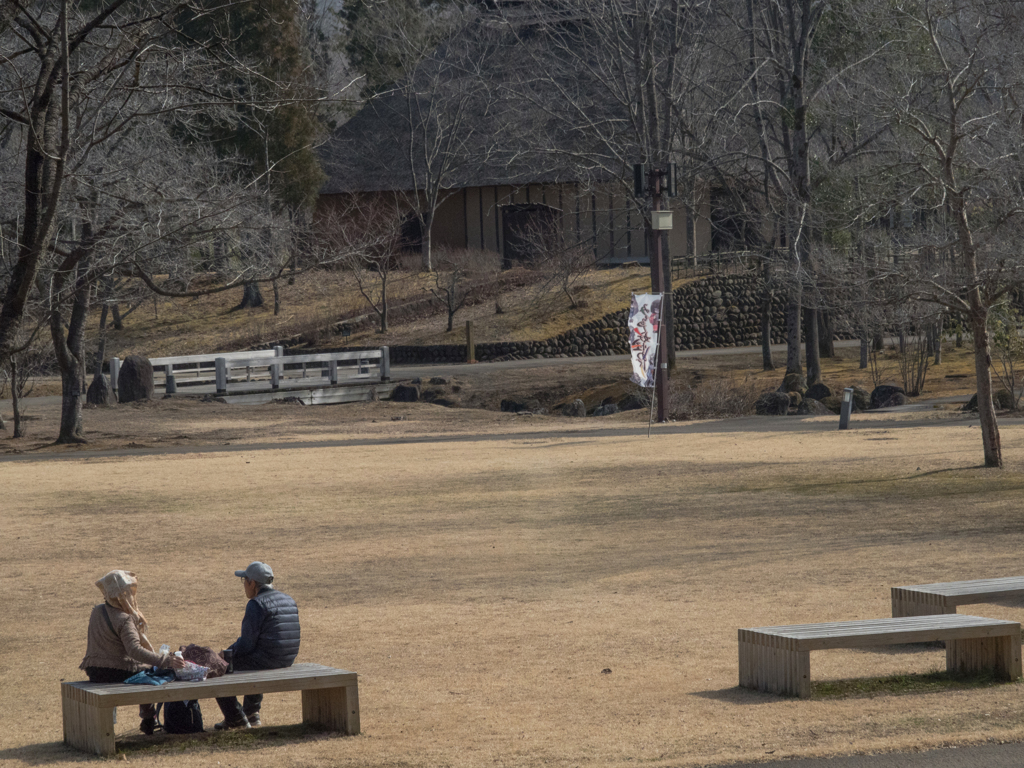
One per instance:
(182,717)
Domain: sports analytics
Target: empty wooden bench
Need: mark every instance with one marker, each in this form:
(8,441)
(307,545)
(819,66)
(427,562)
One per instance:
(330,698)
(777,659)
(944,597)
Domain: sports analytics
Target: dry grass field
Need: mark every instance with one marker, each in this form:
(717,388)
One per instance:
(533,309)
(481,571)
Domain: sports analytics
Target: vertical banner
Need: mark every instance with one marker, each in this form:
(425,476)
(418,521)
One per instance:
(644,324)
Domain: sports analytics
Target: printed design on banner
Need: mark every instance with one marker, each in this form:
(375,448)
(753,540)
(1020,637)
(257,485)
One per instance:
(644,323)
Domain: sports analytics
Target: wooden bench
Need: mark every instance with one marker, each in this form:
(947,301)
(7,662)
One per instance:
(777,659)
(330,698)
(944,597)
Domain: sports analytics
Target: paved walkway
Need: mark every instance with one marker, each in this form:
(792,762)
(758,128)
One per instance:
(984,756)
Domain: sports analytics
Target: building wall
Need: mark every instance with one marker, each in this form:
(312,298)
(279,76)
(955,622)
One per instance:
(601,220)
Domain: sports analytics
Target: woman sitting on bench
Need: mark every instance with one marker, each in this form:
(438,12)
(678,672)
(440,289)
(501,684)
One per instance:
(117,645)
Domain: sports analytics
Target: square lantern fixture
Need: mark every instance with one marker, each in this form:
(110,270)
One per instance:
(661,220)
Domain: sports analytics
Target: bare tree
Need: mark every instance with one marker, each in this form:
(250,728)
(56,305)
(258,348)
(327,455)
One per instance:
(108,114)
(613,83)
(457,274)
(953,91)
(434,115)
(365,237)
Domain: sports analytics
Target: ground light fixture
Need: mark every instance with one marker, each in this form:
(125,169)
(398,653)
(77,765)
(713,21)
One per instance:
(847,408)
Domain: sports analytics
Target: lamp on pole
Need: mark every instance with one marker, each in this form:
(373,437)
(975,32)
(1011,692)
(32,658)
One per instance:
(658,182)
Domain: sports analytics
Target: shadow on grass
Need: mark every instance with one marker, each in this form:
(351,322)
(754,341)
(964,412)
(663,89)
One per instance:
(866,687)
(161,743)
(901,684)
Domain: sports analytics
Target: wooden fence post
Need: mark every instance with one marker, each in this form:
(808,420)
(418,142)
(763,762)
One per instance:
(385,364)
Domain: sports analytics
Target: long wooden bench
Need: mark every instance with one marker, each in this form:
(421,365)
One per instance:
(777,659)
(330,698)
(944,597)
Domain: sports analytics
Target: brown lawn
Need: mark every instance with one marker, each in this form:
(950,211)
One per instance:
(480,570)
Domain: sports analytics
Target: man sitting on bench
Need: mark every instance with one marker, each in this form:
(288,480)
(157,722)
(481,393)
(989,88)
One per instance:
(269,640)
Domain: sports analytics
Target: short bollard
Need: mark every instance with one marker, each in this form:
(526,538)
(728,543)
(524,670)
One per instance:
(170,386)
(847,408)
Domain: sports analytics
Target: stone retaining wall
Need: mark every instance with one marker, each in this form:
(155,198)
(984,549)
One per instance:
(722,311)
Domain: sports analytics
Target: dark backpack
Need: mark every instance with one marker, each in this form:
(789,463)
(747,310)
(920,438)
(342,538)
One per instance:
(183,717)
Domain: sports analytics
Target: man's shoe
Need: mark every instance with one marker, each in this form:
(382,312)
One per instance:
(254,720)
(148,725)
(224,725)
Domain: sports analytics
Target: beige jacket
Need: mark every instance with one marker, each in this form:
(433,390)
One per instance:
(121,648)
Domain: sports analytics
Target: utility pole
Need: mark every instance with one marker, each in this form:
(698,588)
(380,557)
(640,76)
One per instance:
(658,181)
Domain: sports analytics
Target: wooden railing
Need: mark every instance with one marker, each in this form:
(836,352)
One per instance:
(260,365)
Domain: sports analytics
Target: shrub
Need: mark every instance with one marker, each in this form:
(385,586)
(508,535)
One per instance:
(711,399)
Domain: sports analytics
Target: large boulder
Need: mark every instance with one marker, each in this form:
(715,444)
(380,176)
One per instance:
(888,396)
(606,410)
(772,404)
(526,405)
(861,399)
(405,393)
(1001,399)
(818,391)
(834,404)
(135,381)
(577,408)
(794,382)
(631,402)
(100,392)
(812,407)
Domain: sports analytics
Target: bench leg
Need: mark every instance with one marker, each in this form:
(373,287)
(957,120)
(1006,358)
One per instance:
(333,708)
(1001,655)
(90,729)
(915,604)
(775,670)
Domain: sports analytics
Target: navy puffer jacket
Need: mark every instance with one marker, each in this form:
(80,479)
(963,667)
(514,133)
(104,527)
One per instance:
(270,632)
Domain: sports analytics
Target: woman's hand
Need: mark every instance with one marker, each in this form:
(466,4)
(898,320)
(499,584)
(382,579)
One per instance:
(177,662)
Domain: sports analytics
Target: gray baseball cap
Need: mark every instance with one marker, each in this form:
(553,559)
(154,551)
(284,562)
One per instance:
(259,572)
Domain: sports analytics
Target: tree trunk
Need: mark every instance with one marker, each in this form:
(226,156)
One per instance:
(277,298)
(19,425)
(811,345)
(793,364)
(69,353)
(767,363)
(252,296)
(426,256)
(982,369)
(826,336)
(767,295)
(101,348)
(864,348)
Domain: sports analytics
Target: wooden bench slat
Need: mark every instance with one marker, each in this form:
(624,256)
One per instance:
(968,587)
(294,678)
(330,698)
(776,659)
(944,597)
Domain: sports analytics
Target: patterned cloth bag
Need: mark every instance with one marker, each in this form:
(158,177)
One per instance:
(205,656)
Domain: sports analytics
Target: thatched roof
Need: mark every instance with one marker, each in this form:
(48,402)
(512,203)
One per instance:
(463,100)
